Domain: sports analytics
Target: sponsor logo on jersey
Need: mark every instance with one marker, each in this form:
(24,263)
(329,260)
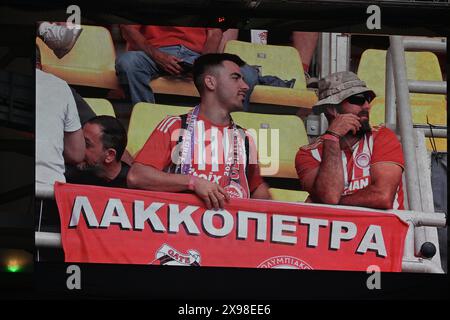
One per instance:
(362,160)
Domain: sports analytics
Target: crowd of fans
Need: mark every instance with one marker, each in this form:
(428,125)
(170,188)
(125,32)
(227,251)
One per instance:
(76,146)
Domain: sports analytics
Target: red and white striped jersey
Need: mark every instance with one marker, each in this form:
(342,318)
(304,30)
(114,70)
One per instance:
(212,145)
(380,145)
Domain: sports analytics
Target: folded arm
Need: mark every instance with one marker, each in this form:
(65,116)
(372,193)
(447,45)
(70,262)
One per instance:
(325,183)
(380,194)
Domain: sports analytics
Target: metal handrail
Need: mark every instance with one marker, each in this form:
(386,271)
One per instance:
(405,121)
(47,239)
(436,87)
(437,132)
(425,45)
(418,183)
(44,191)
(420,265)
(390,114)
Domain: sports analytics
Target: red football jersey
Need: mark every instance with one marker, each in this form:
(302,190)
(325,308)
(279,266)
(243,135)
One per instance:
(212,145)
(381,145)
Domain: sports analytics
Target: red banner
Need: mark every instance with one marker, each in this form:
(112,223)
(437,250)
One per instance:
(112,225)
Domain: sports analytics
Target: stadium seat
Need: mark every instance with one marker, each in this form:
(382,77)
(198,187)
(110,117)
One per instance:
(91,62)
(421,109)
(288,195)
(419,66)
(174,86)
(101,106)
(291,135)
(281,61)
(144,118)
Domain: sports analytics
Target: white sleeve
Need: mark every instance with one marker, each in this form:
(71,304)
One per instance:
(72,120)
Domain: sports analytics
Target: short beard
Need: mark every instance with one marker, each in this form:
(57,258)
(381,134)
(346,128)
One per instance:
(90,168)
(365,128)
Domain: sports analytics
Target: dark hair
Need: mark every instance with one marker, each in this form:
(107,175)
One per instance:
(114,134)
(207,61)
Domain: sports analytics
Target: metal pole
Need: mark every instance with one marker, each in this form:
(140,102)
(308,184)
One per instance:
(409,251)
(47,240)
(390,109)
(437,133)
(420,265)
(405,122)
(44,191)
(425,45)
(425,234)
(325,54)
(437,87)
(424,170)
(430,219)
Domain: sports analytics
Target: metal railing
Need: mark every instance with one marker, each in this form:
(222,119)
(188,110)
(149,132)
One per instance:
(398,88)
(417,173)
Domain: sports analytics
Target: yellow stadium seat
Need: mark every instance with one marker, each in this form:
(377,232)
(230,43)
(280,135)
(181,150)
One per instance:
(277,156)
(101,106)
(281,61)
(288,195)
(422,108)
(144,118)
(419,66)
(91,62)
(174,85)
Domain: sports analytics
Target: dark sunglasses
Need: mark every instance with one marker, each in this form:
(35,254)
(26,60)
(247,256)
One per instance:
(358,99)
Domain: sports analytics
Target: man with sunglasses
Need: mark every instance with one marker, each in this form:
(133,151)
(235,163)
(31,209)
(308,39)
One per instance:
(352,163)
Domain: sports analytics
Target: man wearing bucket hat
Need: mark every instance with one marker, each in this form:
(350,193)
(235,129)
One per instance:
(352,163)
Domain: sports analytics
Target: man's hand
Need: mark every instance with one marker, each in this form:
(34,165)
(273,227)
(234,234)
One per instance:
(167,62)
(211,193)
(343,123)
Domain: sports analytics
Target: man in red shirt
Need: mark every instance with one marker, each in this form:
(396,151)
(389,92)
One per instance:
(352,163)
(156,50)
(204,151)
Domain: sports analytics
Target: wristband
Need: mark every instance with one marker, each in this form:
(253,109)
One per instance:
(333,134)
(330,137)
(192,182)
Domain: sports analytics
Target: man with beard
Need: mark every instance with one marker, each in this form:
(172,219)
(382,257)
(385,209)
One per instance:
(352,163)
(106,140)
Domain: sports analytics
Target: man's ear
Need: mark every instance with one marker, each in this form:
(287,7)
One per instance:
(210,82)
(110,155)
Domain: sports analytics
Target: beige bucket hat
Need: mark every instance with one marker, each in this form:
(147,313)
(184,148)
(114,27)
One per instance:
(338,86)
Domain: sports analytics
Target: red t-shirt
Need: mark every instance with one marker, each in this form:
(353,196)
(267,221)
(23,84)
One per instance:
(158,36)
(212,143)
(381,145)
